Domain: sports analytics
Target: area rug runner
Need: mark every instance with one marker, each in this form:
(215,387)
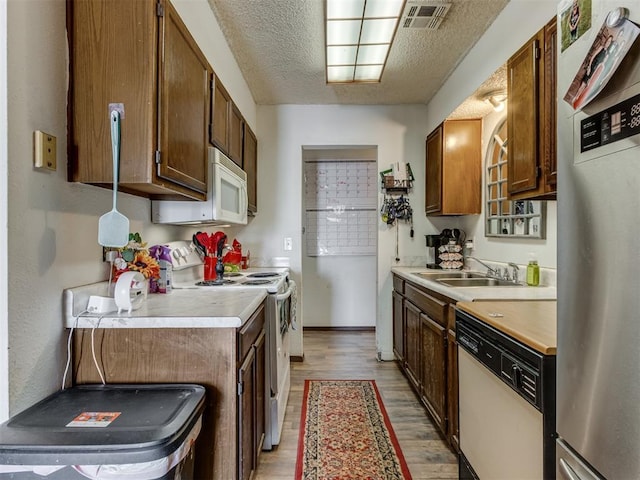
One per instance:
(345,434)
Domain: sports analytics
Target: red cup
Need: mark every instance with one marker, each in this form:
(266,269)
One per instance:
(209,268)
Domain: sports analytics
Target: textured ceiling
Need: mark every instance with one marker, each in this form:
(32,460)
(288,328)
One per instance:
(476,105)
(279,46)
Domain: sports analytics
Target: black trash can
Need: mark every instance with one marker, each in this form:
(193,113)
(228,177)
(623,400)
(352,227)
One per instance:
(141,432)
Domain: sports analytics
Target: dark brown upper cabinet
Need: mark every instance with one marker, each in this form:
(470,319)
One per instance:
(453,168)
(531,117)
(138,54)
(228,123)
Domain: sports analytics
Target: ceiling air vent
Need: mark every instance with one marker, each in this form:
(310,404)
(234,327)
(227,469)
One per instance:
(426,14)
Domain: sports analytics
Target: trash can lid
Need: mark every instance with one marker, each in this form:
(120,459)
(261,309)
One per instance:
(96,424)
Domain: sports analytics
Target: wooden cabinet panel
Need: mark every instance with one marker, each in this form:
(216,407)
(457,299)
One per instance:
(250,166)
(425,321)
(531,117)
(522,117)
(413,359)
(184,106)
(260,392)
(248,334)
(398,326)
(453,168)
(434,361)
(550,106)
(236,132)
(227,129)
(433,168)
(452,391)
(246,417)
(221,105)
(205,356)
(398,284)
(178,355)
(140,55)
(434,308)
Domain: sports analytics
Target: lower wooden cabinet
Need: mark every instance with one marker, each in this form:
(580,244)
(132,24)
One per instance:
(228,362)
(251,404)
(425,348)
(413,352)
(434,370)
(452,391)
(398,326)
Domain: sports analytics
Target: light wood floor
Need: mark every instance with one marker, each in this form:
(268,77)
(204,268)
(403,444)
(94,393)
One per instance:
(352,355)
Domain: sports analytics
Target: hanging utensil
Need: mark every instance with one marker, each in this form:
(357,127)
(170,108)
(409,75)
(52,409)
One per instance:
(113,227)
(200,248)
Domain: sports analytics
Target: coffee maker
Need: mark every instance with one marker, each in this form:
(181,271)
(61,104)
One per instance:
(434,242)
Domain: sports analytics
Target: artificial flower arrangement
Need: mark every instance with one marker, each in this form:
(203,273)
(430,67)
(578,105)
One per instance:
(134,257)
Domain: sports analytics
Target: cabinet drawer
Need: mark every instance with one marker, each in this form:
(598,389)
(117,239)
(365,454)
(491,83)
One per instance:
(249,332)
(398,284)
(434,308)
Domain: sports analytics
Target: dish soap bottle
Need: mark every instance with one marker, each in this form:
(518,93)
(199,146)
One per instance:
(533,272)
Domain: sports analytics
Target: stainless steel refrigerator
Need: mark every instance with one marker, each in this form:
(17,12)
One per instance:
(598,355)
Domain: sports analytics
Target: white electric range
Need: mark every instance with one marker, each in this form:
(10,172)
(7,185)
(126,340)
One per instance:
(188,273)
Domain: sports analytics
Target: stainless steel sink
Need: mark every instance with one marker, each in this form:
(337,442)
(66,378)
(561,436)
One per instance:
(452,275)
(477,282)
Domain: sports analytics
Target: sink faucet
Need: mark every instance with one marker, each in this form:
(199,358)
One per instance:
(491,272)
(515,271)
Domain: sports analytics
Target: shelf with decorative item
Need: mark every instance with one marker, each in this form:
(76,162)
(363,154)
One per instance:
(391,185)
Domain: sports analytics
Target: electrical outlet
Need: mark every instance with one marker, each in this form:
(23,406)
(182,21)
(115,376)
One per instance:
(288,243)
(44,150)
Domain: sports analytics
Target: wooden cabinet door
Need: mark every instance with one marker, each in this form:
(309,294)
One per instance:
(236,131)
(550,106)
(260,393)
(452,391)
(246,417)
(250,166)
(184,106)
(461,167)
(413,358)
(433,172)
(523,117)
(398,327)
(221,105)
(454,168)
(434,360)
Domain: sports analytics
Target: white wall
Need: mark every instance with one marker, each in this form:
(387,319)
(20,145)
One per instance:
(52,224)
(399,133)
(4,327)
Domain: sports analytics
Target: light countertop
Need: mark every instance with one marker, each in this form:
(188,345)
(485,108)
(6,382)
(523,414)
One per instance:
(188,308)
(531,322)
(471,294)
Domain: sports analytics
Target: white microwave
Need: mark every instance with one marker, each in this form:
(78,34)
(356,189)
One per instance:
(226,198)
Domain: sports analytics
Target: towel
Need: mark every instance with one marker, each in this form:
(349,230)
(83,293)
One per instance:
(294,304)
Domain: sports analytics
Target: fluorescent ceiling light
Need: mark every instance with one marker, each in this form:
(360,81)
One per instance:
(359,35)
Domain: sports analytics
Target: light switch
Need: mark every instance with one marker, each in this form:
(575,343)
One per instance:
(44,150)
(288,243)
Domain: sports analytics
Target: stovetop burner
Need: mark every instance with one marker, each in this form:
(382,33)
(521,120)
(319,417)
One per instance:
(264,274)
(256,282)
(214,283)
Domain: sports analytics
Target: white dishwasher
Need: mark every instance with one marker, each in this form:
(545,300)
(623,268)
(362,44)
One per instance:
(506,405)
